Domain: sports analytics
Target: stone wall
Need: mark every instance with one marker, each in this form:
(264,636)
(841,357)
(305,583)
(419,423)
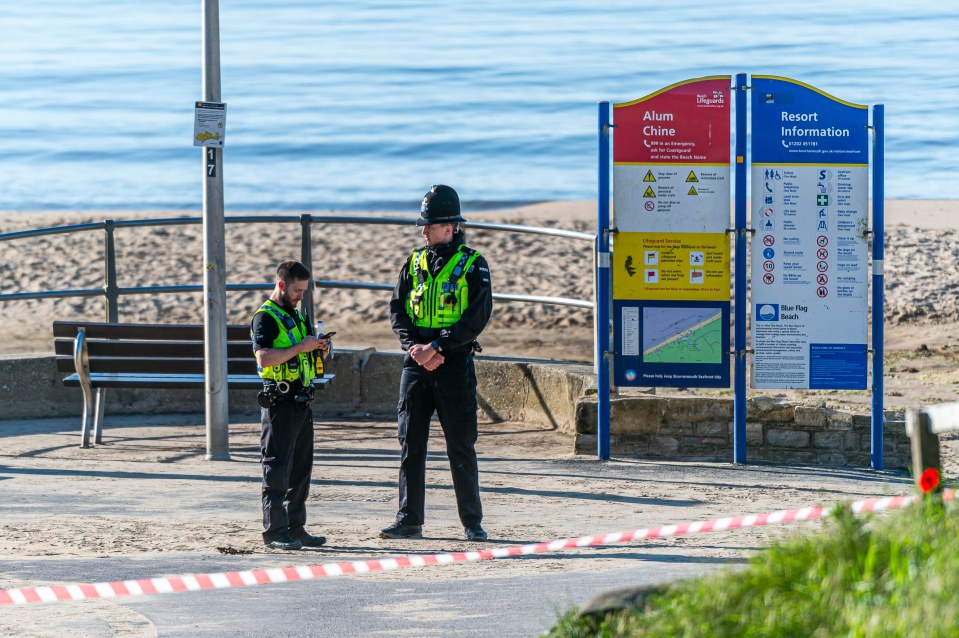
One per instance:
(558,396)
(776,431)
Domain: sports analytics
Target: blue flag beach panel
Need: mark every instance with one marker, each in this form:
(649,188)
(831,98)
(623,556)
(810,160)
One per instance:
(809,262)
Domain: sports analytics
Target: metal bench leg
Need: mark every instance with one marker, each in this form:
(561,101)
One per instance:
(87,417)
(81,363)
(98,415)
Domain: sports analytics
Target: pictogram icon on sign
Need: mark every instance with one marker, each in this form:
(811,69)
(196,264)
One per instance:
(691,177)
(822,200)
(692,191)
(822,291)
(822,240)
(649,177)
(768,278)
(649,206)
(822,279)
(822,266)
(822,253)
(649,192)
(768,212)
(768,240)
(768,266)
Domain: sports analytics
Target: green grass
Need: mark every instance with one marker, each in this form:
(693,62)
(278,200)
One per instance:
(891,575)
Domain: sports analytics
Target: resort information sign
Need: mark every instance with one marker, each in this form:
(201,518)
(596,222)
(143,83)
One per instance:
(809,261)
(670,262)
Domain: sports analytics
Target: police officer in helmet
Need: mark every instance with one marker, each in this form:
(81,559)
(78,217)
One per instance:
(441,303)
(285,349)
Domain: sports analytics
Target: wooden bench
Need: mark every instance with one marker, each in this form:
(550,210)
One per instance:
(132,355)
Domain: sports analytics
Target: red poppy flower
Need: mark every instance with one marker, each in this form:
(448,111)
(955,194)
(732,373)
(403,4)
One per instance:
(929,480)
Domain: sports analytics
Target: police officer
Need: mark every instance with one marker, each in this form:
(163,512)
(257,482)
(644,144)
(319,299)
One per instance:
(440,305)
(285,351)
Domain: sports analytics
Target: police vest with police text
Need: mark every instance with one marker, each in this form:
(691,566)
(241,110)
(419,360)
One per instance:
(439,302)
(305,365)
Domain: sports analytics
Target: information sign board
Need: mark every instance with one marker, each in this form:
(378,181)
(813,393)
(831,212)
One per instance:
(810,251)
(670,264)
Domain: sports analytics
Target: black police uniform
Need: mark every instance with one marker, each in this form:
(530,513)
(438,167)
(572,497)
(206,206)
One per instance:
(286,446)
(450,390)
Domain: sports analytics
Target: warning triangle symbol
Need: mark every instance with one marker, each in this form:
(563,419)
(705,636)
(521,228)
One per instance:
(649,192)
(692,191)
(649,177)
(691,177)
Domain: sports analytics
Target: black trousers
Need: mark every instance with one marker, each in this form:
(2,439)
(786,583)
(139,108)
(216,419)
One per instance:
(450,391)
(286,448)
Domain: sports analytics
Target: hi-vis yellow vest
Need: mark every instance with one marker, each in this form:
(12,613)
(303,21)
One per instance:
(439,302)
(305,365)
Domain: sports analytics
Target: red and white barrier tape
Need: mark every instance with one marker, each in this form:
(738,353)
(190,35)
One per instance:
(196,582)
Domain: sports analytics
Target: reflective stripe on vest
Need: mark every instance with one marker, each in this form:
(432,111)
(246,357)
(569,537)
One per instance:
(292,332)
(439,302)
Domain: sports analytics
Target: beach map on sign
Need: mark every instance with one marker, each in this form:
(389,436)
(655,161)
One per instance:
(682,335)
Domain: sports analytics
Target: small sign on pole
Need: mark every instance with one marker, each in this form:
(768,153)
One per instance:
(209,124)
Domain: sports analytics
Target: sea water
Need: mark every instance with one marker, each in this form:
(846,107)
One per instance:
(361,105)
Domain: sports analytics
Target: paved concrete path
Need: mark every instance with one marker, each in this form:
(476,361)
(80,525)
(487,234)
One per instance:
(146,504)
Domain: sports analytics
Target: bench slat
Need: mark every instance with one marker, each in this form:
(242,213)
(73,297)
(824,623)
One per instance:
(144,331)
(97,348)
(153,365)
(171,381)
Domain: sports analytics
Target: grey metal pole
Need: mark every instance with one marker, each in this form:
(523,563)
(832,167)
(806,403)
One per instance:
(306,258)
(214,256)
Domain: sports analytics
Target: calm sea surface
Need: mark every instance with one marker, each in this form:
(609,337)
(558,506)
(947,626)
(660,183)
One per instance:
(362,104)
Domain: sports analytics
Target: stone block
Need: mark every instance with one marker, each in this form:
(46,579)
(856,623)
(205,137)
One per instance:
(787,438)
(634,415)
(663,445)
(755,433)
(832,460)
(810,416)
(838,419)
(770,409)
(586,419)
(677,428)
(797,457)
(827,440)
(694,409)
(585,443)
(713,429)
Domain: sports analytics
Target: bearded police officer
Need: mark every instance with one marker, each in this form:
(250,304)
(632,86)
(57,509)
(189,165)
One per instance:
(440,305)
(286,359)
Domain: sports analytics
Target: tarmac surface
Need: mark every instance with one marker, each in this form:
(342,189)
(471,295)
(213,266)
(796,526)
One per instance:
(146,503)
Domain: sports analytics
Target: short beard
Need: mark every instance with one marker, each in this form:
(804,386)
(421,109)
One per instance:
(285,298)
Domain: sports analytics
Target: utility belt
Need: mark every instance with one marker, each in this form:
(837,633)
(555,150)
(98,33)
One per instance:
(274,392)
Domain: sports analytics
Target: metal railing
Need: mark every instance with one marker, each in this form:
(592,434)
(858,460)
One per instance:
(111,291)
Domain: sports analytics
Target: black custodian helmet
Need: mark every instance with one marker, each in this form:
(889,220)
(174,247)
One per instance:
(440,206)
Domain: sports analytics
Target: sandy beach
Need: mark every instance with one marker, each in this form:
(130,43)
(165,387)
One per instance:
(921,300)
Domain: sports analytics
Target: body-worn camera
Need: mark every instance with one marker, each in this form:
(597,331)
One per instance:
(304,395)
